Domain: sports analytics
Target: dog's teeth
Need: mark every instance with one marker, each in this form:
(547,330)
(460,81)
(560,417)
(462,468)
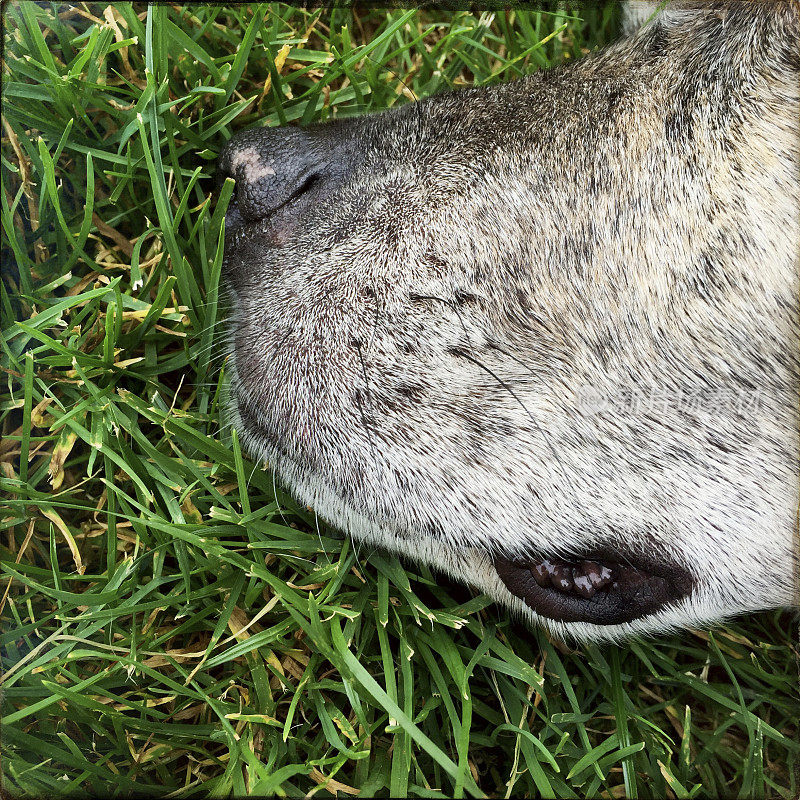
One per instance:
(584,578)
(598,574)
(541,573)
(583,586)
(562,577)
(591,569)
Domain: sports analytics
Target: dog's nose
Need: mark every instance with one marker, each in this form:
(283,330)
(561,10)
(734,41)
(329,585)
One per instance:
(275,167)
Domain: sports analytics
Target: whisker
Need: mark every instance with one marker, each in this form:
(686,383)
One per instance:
(277,502)
(459,352)
(319,537)
(377,317)
(463,354)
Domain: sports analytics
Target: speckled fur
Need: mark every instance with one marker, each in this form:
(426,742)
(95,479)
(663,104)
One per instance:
(410,351)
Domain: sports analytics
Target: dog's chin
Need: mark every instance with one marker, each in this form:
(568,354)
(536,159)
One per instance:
(600,587)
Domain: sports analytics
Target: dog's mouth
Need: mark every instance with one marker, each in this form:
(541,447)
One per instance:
(595,589)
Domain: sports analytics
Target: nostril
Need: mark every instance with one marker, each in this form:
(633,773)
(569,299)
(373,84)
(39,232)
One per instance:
(306,186)
(259,195)
(275,167)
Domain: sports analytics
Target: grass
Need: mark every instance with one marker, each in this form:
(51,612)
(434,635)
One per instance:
(172,622)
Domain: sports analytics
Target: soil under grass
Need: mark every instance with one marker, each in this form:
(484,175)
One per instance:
(171,621)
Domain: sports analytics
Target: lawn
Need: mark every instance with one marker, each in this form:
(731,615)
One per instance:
(173,623)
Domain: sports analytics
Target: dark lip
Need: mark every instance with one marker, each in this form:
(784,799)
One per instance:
(642,586)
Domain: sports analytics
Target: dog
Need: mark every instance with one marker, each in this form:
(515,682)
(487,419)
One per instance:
(544,336)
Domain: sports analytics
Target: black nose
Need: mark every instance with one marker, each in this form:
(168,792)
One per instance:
(278,167)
